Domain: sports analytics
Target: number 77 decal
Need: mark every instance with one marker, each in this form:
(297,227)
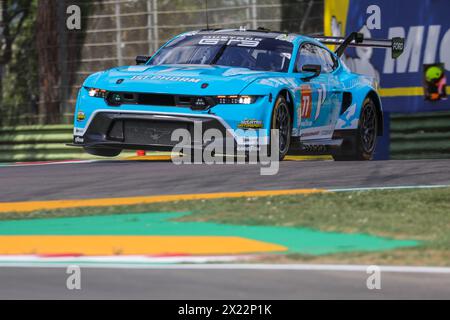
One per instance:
(306,103)
(305,107)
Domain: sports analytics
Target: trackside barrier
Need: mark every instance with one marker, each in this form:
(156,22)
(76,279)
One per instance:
(39,143)
(420,135)
(415,136)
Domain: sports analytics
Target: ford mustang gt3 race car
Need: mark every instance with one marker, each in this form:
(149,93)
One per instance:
(238,82)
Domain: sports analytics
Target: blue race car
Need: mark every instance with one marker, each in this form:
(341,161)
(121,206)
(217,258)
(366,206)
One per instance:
(239,82)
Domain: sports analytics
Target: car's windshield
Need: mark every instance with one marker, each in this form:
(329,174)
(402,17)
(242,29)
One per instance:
(263,54)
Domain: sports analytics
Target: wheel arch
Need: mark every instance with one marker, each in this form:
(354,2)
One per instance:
(290,101)
(372,95)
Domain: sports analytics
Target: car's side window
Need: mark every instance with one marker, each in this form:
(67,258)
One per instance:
(329,63)
(308,54)
(312,54)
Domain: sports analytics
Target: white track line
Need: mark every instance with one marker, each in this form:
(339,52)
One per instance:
(389,188)
(32,260)
(50,163)
(198,263)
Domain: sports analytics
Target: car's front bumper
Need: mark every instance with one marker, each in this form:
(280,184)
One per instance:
(151,127)
(156,131)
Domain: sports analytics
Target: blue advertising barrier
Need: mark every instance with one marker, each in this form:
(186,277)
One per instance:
(424,24)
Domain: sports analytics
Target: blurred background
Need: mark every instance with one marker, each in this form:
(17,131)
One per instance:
(43,63)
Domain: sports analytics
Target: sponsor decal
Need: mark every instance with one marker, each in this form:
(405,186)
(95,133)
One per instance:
(137,68)
(81,116)
(78,131)
(230,40)
(309,134)
(78,140)
(167,78)
(251,124)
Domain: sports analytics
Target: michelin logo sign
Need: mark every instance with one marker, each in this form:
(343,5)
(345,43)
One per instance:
(425,25)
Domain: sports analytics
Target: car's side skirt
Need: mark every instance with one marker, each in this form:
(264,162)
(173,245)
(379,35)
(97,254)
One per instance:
(342,140)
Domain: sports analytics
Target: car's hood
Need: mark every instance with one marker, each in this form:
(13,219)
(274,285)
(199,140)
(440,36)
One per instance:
(176,79)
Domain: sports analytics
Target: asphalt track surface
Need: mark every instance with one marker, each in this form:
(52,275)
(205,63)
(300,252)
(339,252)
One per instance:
(50,283)
(106,179)
(140,178)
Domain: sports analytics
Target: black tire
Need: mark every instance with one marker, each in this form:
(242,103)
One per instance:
(281,120)
(366,135)
(103,152)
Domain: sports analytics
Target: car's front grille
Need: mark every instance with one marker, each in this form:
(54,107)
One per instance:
(151,132)
(155,99)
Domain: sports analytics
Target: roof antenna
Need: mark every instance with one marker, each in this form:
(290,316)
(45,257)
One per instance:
(206,13)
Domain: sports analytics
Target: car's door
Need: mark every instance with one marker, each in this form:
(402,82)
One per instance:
(317,109)
(333,95)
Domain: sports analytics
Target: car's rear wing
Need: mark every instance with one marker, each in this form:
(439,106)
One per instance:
(356,39)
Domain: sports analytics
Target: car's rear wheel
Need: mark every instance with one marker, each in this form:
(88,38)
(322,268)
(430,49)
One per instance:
(103,152)
(281,121)
(366,135)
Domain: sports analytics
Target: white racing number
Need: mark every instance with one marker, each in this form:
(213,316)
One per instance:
(322,95)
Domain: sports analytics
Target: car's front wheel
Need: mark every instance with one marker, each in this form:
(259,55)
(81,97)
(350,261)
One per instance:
(366,135)
(281,121)
(103,152)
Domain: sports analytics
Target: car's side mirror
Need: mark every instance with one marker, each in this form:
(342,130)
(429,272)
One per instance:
(316,69)
(142,59)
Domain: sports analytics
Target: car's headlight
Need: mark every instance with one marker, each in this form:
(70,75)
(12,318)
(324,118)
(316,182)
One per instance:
(236,99)
(96,93)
